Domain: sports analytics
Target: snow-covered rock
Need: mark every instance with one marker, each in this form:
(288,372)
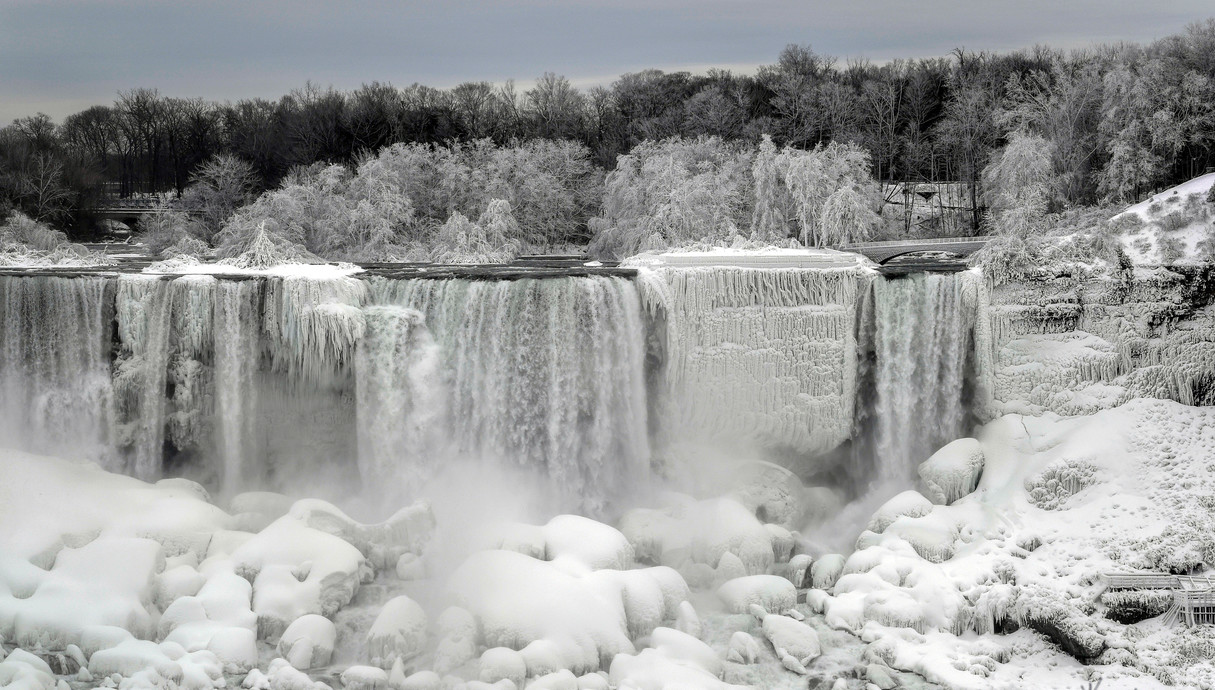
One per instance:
(771,592)
(500,663)
(908,503)
(826,570)
(399,632)
(953,471)
(308,642)
(744,648)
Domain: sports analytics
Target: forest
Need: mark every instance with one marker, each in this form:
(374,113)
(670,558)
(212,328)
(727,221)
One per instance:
(805,150)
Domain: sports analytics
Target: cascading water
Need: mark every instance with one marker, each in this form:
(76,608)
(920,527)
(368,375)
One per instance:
(55,390)
(144,308)
(400,401)
(546,374)
(237,310)
(922,338)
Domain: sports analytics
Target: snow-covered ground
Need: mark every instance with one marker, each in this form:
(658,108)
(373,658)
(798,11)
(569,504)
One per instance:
(1172,227)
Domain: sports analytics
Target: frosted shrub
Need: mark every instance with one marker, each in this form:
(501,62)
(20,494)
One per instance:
(460,240)
(264,249)
(1050,488)
(1133,606)
(1172,249)
(27,242)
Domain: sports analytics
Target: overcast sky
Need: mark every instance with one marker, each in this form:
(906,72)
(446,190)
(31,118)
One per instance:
(59,57)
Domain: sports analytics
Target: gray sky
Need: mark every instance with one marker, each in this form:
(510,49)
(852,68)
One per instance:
(59,57)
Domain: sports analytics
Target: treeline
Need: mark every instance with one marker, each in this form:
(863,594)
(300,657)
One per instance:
(1119,120)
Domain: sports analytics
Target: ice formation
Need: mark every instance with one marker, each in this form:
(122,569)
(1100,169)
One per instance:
(767,354)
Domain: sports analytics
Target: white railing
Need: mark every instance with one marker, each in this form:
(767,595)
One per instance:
(917,242)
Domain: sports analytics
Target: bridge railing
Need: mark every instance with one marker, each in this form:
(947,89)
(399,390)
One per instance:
(924,241)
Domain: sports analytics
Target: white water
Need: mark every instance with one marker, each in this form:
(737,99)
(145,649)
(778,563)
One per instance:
(55,391)
(923,332)
(237,353)
(401,401)
(546,374)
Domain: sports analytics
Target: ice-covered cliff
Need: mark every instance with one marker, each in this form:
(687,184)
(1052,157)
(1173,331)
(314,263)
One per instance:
(1075,346)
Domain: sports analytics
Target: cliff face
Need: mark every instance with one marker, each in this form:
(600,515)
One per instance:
(1074,346)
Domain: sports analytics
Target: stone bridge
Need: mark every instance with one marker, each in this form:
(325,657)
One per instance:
(882,252)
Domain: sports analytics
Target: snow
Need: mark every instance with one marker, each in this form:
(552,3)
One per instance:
(399,632)
(770,592)
(953,471)
(308,642)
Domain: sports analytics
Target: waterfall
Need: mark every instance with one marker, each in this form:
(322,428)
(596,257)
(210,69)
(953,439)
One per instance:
(237,351)
(923,328)
(55,390)
(545,374)
(400,403)
(144,307)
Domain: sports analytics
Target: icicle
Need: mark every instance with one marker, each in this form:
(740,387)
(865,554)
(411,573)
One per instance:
(761,354)
(312,326)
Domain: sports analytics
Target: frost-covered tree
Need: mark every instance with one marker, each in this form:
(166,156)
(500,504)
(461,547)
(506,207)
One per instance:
(847,217)
(460,240)
(1018,179)
(768,218)
(672,193)
(812,177)
(219,187)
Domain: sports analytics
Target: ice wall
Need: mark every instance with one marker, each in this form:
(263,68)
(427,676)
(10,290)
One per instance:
(546,374)
(760,354)
(1079,346)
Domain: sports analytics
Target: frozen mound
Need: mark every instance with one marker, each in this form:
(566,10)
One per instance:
(953,471)
(712,533)
(575,619)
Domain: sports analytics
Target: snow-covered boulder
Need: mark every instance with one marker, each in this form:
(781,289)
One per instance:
(410,567)
(518,601)
(457,632)
(908,503)
(744,648)
(953,471)
(399,632)
(591,543)
(364,678)
(498,663)
(826,570)
(771,592)
(21,670)
(791,637)
(799,570)
(687,621)
(308,642)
